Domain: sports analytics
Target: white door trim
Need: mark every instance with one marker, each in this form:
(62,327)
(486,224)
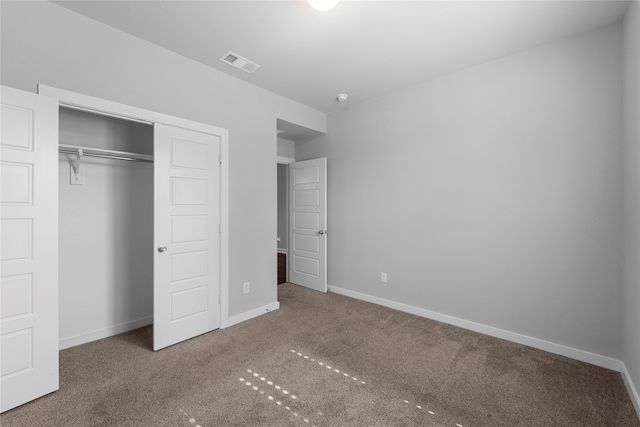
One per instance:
(284,160)
(105,107)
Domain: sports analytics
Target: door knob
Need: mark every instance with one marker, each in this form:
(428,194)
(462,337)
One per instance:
(162,248)
(321,232)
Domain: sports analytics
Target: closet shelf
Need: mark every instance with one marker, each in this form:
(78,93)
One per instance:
(80,151)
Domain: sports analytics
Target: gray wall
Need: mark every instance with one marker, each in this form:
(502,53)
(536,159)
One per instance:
(492,195)
(286,148)
(631,353)
(45,43)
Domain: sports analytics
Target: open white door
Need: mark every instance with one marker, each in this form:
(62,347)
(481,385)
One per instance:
(29,247)
(186,292)
(308,223)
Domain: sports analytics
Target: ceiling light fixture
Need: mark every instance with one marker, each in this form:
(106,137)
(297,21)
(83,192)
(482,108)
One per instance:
(323,5)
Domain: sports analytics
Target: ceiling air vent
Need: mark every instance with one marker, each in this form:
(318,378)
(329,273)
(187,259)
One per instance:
(239,62)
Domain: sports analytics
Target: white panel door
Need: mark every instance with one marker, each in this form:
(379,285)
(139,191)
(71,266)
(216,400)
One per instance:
(29,247)
(308,223)
(186,292)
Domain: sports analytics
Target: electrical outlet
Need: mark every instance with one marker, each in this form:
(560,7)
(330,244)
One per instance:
(246,287)
(383,277)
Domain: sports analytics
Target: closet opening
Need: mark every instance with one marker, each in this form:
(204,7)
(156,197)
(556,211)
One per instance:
(106,230)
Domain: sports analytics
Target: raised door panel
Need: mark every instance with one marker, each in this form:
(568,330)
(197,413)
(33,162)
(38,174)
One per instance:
(16,240)
(17,296)
(306,220)
(189,228)
(307,266)
(19,135)
(16,183)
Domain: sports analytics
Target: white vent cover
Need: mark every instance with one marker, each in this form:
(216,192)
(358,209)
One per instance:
(239,62)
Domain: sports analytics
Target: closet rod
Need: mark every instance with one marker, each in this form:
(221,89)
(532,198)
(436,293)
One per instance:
(106,154)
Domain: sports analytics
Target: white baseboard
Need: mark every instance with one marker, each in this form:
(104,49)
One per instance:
(633,391)
(230,321)
(134,324)
(581,355)
(104,333)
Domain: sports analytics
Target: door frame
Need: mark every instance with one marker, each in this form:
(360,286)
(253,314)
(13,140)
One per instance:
(95,105)
(280,160)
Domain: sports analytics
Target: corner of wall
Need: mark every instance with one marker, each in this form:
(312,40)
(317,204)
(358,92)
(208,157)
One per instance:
(631,308)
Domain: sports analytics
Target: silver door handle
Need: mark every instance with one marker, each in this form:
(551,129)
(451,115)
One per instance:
(321,232)
(162,248)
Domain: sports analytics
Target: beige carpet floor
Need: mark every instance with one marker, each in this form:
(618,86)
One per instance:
(327,360)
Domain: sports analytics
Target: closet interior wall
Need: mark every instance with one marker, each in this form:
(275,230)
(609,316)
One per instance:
(106,230)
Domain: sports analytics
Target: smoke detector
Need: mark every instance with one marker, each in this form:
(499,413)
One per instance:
(342,97)
(239,62)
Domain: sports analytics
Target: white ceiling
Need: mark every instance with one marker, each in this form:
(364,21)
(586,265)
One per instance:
(363,48)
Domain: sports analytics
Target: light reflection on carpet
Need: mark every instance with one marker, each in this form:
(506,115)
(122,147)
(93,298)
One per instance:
(259,379)
(192,421)
(278,389)
(335,370)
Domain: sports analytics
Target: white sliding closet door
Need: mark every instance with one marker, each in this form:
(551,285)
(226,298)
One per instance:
(187,234)
(29,247)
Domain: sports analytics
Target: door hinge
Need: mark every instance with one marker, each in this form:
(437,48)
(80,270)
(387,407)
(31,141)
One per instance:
(220,228)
